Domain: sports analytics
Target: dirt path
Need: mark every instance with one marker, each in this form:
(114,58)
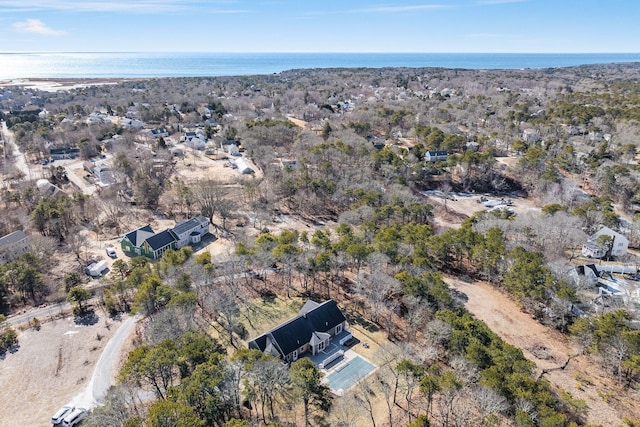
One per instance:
(582,377)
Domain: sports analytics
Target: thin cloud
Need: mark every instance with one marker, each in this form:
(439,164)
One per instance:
(484,35)
(376,9)
(400,9)
(492,2)
(36,26)
(139,6)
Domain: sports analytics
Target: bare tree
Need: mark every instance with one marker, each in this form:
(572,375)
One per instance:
(209,195)
(364,396)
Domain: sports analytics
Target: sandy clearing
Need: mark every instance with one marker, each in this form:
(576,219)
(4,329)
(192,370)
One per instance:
(468,205)
(195,166)
(583,377)
(51,366)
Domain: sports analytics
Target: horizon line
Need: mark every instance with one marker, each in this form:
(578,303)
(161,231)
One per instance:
(318,52)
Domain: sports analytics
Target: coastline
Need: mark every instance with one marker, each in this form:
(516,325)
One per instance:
(57,84)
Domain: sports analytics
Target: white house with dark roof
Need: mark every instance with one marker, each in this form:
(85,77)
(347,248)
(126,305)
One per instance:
(593,247)
(309,332)
(13,245)
(190,231)
(436,156)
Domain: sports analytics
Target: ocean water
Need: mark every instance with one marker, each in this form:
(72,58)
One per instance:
(131,64)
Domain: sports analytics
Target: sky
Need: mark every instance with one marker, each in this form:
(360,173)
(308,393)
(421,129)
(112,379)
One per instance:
(487,26)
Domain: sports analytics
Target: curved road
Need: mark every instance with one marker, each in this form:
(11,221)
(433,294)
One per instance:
(97,388)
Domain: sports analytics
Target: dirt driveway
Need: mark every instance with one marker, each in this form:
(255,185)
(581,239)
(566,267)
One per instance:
(582,377)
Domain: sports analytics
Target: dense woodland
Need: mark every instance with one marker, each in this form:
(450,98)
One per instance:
(373,241)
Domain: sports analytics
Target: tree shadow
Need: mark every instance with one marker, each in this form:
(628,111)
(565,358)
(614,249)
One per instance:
(358,319)
(87,318)
(12,349)
(267,295)
(459,296)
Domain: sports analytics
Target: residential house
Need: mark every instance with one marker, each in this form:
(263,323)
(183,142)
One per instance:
(230,146)
(97,118)
(531,135)
(144,241)
(101,172)
(436,156)
(593,247)
(195,139)
(13,245)
(309,332)
(243,166)
(128,123)
(64,153)
(288,164)
(190,231)
(158,133)
(156,245)
(47,189)
(133,242)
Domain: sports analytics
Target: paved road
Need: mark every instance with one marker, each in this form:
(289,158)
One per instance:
(19,159)
(42,313)
(97,388)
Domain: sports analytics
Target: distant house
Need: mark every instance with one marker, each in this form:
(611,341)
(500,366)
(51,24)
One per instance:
(144,241)
(47,189)
(196,143)
(13,245)
(158,133)
(101,172)
(230,146)
(288,164)
(243,166)
(593,247)
(128,123)
(97,118)
(531,135)
(309,332)
(64,153)
(436,156)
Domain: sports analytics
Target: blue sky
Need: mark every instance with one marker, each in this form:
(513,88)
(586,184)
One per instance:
(320,25)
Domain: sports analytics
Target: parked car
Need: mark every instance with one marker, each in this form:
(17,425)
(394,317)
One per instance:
(75,417)
(62,412)
(111,251)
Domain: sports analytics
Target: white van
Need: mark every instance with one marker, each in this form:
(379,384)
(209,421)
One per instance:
(75,417)
(111,251)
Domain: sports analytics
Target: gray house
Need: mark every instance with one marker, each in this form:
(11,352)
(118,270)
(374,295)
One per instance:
(13,245)
(309,332)
(436,156)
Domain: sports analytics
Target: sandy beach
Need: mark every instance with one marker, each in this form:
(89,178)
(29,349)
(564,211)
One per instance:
(54,85)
